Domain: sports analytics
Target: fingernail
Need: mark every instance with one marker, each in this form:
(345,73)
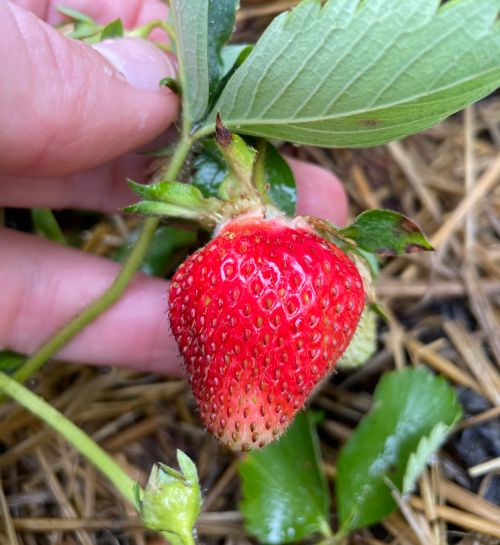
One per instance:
(139,62)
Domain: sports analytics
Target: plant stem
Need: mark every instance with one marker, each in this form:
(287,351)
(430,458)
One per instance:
(72,433)
(64,335)
(145,30)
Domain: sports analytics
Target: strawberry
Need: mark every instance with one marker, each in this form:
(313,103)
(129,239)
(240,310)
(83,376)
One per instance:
(263,312)
(261,315)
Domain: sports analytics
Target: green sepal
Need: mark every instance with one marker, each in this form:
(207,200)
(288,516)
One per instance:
(113,30)
(172,84)
(153,208)
(386,233)
(171,501)
(240,159)
(176,193)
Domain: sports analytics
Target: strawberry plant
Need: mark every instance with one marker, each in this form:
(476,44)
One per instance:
(264,310)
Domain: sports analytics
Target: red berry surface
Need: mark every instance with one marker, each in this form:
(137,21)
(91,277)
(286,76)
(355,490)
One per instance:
(261,314)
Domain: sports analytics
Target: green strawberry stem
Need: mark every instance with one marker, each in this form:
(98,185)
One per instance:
(72,433)
(64,335)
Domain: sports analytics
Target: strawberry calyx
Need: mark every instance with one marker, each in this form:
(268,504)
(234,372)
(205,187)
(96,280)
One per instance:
(240,192)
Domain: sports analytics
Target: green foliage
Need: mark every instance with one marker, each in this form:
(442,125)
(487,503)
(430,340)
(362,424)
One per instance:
(351,73)
(427,446)
(10,361)
(285,496)
(166,242)
(277,177)
(211,169)
(221,20)
(202,28)
(191,30)
(387,233)
(232,56)
(171,192)
(409,405)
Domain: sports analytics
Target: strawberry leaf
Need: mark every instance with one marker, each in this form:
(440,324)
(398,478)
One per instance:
(210,168)
(277,177)
(222,16)
(202,28)
(427,446)
(10,361)
(191,31)
(386,233)
(352,73)
(285,496)
(409,405)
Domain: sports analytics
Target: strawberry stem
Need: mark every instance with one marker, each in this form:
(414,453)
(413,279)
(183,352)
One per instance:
(72,433)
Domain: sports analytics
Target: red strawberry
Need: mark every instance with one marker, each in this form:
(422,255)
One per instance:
(261,315)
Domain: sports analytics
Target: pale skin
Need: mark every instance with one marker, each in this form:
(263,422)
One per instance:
(67,140)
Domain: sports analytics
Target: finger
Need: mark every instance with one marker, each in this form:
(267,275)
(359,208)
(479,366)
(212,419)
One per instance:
(104,188)
(44,285)
(70,106)
(319,192)
(132,13)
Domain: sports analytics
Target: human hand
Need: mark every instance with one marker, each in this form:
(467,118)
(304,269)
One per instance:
(68,124)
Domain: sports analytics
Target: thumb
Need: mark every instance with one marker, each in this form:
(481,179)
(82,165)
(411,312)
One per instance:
(67,106)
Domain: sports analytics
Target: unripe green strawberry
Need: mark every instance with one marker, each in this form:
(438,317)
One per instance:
(261,314)
(363,344)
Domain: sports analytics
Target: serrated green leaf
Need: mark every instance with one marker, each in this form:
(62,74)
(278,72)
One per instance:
(351,73)
(165,243)
(285,496)
(409,405)
(386,233)
(113,30)
(426,448)
(191,30)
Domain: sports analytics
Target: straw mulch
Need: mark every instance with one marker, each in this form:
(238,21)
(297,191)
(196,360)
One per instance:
(444,313)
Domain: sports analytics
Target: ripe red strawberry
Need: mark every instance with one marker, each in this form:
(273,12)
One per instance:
(261,315)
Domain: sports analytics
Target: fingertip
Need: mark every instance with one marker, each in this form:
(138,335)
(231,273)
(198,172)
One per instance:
(319,192)
(86,106)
